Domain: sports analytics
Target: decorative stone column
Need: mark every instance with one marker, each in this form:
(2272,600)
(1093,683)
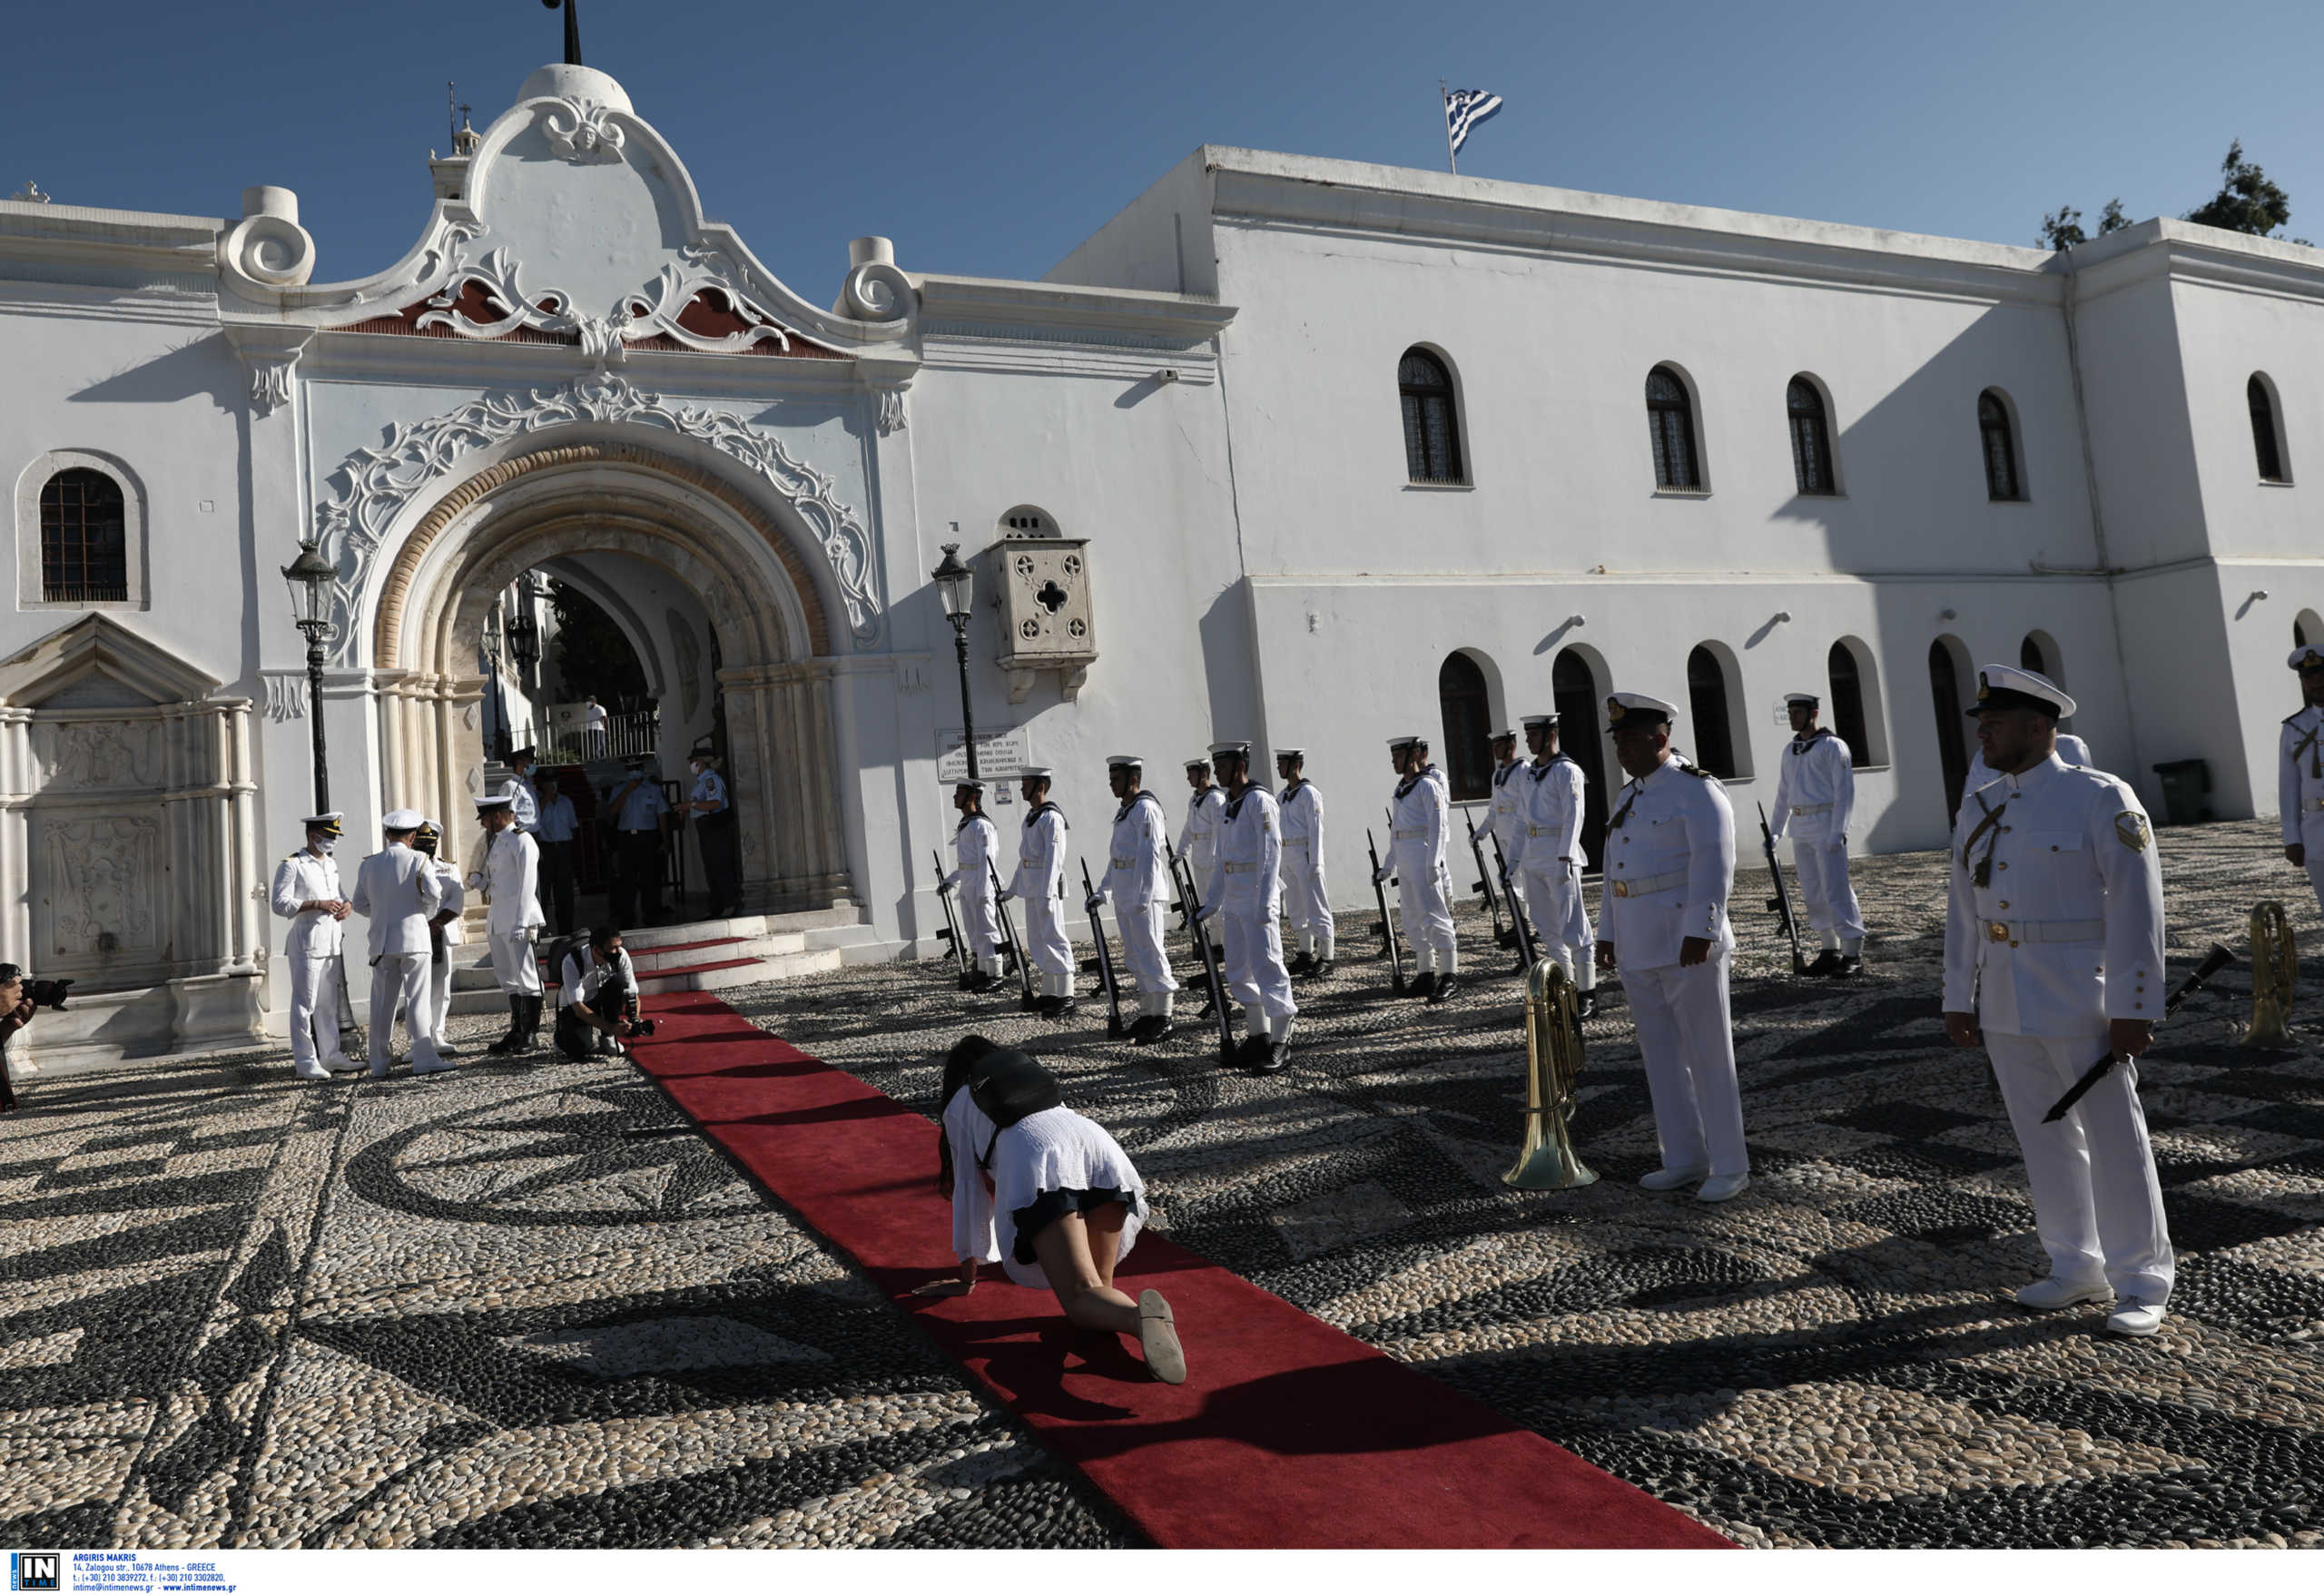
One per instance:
(779,726)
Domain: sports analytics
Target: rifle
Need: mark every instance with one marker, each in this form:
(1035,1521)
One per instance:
(1528,951)
(1484,887)
(951,934)
(1184,874)
(2217,960)
(1780,904)
(1114,1027)
(1025,998)
(1387,922)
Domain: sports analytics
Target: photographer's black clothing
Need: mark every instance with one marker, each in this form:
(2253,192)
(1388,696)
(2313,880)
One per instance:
(610,989)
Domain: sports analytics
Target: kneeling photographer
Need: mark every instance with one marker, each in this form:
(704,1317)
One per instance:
(18,998)
(598,996)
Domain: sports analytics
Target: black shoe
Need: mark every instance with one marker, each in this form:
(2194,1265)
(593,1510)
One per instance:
(515,1038)
(1323,968)
(1827,963)
(1272,1058)
(1506,939)
(1253,1050)
(1446,986)
(978,984)
(1303,965)
(1850,964)
(1061,1006)
(1150,1028)
(1420,985)
(1585,1004)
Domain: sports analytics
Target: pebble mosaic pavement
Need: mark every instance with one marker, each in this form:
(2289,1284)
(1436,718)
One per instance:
(524,1306)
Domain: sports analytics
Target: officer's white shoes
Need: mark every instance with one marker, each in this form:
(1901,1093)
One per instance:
(310,1070)
(380,1071)
(1672,1179)
(2134,1319)
(2043,1295)
(438,1067)
(1719,1188)
(340,1064)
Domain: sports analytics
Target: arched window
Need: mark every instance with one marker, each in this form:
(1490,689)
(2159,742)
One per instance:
(2032,656)
(1467,749)
(2308,627)
(1847,705)
(1431,430)
(2000,444)
(1706,698)
(2266,441)
(1947,662)
(84,539)
(1811,438)
(1574,690)
(1670,419)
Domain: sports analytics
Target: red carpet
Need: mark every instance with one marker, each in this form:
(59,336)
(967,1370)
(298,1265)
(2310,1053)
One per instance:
(1286,1434)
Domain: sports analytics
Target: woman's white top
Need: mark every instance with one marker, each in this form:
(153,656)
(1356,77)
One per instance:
(1056,1150)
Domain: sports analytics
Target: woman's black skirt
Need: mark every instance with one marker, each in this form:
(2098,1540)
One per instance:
(1047,1208)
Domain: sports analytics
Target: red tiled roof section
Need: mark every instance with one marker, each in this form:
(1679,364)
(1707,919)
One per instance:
(709,314)
(475,304)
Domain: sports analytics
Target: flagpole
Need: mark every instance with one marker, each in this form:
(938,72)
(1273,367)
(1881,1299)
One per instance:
(1444,111)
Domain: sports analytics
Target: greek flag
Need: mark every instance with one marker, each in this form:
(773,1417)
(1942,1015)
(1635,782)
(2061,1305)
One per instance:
(1463,108)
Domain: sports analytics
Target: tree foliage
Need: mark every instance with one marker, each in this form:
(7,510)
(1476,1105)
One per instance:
(2246,202)
(593,655)
(2062,229)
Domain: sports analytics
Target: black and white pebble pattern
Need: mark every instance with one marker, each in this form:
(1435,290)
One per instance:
(528,1306)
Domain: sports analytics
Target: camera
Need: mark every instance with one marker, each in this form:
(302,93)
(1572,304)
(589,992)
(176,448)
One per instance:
(626,1005)
(47,994)
(638,1028)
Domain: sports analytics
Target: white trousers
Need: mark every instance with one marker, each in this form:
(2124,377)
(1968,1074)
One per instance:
(2097,1204)
(1045,943)
(1688,1042)
(314,1009)
(1148,962)
(439,991)
(1561,919)
(1520,888)
(979,924)
(1255,972)
(1306,902)
(2311,837)
(1424,894)
(402,981)
(1823,886)
(514,965)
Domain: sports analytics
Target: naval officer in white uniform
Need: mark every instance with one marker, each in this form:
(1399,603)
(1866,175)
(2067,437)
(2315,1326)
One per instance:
(2052,955)
(395,891)
(443,930)
(510,879)
(1420,822)
(1138,881)
(1662,922)
(1245,895)
(2299,772)
(1306,901)
(974,842)
(1815,797)
(1039,880)
(1198,841)
(306,893)
(1550,856)
(1509,820)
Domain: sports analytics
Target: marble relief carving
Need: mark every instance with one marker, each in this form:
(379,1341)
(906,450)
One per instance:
(102,884)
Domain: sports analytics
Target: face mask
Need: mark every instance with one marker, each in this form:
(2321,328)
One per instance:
(325,845)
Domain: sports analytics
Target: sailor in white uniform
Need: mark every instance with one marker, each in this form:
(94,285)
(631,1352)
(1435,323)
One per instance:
(1815,796)
(2053,955)
(1245,895)
(1419,824)
(395,890)
(1306,900)
(1509,820)
(1198,840)
(306,893)
(1039,880)
(1550,857)
(1662,922)
(1138,882)
(443,930)
(974,844)
(521,796)
(510,879)
(2299,772)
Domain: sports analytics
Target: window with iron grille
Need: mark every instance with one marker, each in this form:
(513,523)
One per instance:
(2000,446)
(1714,727)
(1670,419)
(1811,438)
(1467,740)
(1431,430)
(2264,441)
(84,539)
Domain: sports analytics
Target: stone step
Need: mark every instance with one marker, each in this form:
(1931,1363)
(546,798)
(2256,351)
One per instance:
(474,971)
(476,993)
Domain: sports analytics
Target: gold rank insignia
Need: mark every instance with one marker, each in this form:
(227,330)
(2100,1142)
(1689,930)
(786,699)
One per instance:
(1985,688)
(2132,829)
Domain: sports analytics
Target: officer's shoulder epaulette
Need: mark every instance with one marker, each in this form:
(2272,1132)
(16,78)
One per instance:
(1696,772)
(2296,713)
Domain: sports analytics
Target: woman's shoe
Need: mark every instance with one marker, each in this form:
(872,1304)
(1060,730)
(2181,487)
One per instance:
(1158,1335)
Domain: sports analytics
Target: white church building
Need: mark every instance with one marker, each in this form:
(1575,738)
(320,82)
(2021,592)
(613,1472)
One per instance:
(1299,450)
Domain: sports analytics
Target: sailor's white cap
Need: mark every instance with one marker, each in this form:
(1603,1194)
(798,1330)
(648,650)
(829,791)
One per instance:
(1530,721)
(1036,773)
(2306,657)
(504,798)
(1792,698)
(326,824)
(1626,711)
(1407,742)
(2001,687)
(1124,762)
(402,820)
(1240,750)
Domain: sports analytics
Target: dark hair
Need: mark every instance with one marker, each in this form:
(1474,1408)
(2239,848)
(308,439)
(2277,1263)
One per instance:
(958,1063)
(9,972)
(604,934)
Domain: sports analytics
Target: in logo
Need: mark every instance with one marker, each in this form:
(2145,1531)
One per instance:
(35,1570)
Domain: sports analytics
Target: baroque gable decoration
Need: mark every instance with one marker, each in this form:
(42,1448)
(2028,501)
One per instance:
(377,484)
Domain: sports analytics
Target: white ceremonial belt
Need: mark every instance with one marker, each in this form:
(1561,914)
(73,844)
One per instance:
(2312,804)
(1406,834)
(1541,831)
(1233,869)
(2015,931)
(1643,885)
(1118,862)
(1811,809)
(1032,858)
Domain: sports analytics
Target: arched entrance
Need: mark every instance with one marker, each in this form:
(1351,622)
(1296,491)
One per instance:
(610,501)
(1574,689)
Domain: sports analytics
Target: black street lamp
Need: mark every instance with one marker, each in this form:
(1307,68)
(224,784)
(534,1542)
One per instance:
(311,578)
(953,581)
(524,629)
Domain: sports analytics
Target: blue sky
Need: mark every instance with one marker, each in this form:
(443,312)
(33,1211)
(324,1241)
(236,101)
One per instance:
(990,138)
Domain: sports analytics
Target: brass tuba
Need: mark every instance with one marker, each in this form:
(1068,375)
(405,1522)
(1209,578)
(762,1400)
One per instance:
(1552,1064)
(2275,966)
